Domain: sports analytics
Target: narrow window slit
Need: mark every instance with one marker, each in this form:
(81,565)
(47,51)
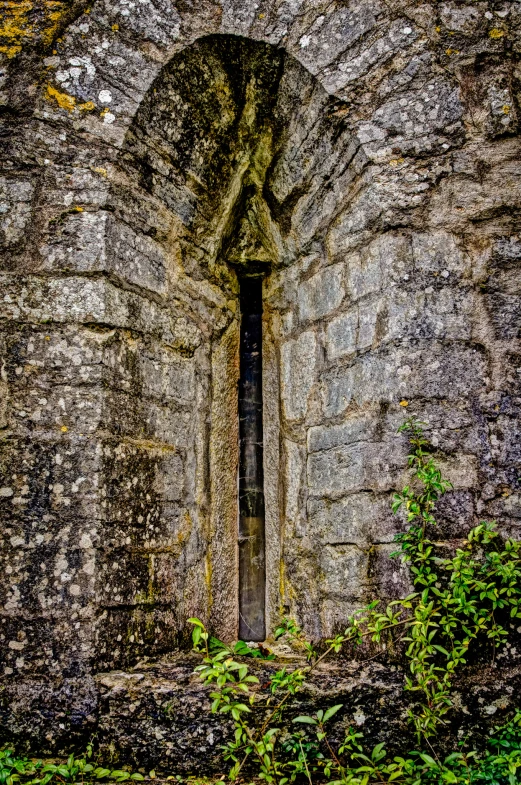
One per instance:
(252,569)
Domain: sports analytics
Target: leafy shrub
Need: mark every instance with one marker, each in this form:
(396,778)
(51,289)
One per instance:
(458,602)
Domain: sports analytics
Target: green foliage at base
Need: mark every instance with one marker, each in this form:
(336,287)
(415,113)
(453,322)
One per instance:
(461,602)
(14,769)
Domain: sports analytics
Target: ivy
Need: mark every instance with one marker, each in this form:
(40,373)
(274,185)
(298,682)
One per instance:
(459,602)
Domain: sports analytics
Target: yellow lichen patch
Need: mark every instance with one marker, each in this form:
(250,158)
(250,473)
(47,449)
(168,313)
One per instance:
(396,161)
(28,21)
(104,112)
(115,27)
(63,100)
(450,52)
(88,106)
(10,51)
(496,32)
(76,209)
(99,170)
(64,429)
(506,109)
(404,403)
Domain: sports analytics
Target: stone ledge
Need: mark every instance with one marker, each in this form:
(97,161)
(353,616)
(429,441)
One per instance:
(157,714)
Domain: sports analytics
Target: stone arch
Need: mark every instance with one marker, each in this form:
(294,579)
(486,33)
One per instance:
(227,168)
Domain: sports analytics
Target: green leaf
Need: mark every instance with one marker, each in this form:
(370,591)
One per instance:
(197,622)
(331,711)
(307,720)
(428,760)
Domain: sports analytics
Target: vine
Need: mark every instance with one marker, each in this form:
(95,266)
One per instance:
(458,602)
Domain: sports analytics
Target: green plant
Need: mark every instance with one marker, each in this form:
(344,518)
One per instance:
(14,769)
(459,601)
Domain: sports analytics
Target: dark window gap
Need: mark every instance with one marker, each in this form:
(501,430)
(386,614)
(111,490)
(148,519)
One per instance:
(252,567)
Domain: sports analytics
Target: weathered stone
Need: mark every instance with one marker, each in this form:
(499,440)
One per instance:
(321,294)
(298,360)
(362,158)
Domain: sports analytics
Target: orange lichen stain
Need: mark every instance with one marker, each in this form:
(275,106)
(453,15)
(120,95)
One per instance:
(63,100)
(496,33)
(88,106)
(26,21)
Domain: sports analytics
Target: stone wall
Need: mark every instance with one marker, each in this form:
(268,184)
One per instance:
(365,157)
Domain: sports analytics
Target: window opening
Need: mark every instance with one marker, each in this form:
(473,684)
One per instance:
(252,568)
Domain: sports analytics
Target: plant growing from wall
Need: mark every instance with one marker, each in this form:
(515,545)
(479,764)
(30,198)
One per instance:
(459,602)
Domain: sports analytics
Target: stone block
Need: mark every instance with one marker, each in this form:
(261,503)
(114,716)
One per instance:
(321,294)
(356,429)
(352,468)
(367,315)
(357,62)
(125,577)
(15,210)
(48,646)
(344,571)
(330,35)
(455,514)
(294,487)
(388,257)
(431,372)
(505,314)
(358,519)
(341,334)
(76,242)
(438,252)
(166,376)
(82,241)
(136,258)
(84,300)
(298,362)
(122,636)
(390,577)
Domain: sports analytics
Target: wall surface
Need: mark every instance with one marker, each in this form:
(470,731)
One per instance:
(362,156)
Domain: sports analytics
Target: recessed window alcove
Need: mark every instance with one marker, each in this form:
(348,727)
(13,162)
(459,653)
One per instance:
(229,175)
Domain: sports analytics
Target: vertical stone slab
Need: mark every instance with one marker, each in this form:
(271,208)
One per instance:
(224,461)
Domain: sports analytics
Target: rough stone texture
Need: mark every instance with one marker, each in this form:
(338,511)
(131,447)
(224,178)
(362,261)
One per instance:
(365,156)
